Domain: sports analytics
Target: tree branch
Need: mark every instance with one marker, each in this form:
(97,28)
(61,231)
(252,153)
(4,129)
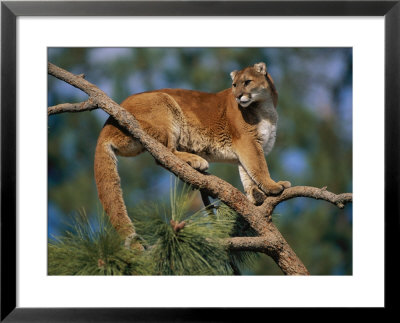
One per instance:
(340,200)
(71,107)
(270,240)
(260,244)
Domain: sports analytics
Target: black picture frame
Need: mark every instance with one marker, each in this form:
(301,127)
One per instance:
(10,10)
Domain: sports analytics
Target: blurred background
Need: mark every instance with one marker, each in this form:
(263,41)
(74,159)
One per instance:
(313,146)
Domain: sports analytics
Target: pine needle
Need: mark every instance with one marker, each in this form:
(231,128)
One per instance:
(93,248)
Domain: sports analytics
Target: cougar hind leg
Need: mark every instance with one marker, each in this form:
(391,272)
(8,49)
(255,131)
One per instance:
(120,140)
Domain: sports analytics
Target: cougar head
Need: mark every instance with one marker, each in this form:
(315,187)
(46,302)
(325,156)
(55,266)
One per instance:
(253,84)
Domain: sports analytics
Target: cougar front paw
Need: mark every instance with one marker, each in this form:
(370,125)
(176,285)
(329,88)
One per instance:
(285,184)
(197,163)
(193,160)
(275,188)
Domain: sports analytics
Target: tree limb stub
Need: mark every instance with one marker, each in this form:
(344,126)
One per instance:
(270,240)
(260,244)
(71,107)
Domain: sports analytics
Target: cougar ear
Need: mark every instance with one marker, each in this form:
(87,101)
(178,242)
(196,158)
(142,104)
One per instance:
(261,68)
(233,74)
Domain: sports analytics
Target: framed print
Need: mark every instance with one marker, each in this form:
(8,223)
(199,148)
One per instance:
(335,67)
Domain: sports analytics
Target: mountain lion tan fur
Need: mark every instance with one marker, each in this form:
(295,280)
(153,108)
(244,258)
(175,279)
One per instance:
(237,125)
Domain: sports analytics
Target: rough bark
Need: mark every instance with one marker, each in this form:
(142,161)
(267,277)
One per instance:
(269,240)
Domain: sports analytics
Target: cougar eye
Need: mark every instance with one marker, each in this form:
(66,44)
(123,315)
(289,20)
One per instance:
(234,84)
(247,82)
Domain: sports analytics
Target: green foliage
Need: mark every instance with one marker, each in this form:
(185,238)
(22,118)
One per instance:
(194,249)
(93,249)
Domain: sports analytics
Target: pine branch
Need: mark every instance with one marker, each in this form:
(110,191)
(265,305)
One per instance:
(270,241)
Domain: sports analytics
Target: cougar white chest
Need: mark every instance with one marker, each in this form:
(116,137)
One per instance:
(267,124)
(267,134)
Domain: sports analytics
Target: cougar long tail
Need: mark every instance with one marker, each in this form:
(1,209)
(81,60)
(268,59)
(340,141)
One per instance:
(109,188)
